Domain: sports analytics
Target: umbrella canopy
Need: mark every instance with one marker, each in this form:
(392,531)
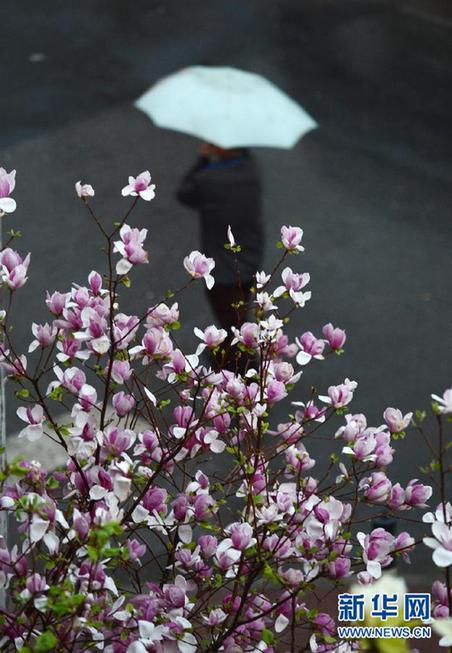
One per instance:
(227,107)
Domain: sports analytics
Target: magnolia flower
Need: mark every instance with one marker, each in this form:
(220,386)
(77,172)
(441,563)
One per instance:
(248,335)
(199,267)
(377,487)
(395,421)
(441,543)
(444,628)
(84,190)
(291,238)
(444,402)
(56,302)
(215,617)
(140,186)
(131,248)
(310,347)
(211,337)
(265,301)
(7,184)
(45,335)
(231,238)
(293,283)
(417,494)
(336,337)
(377,547)
(262,279)
(34,418)
(13,268)
(149,634)
(363,448)
(340,395)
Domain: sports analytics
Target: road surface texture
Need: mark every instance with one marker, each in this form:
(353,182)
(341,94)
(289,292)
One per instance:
(372,187)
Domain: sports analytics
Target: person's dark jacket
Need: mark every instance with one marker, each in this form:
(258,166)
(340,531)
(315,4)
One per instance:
(227,192)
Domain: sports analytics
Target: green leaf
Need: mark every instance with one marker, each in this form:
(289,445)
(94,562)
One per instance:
(45,642)
(267,636)
(22,394)
(57,394)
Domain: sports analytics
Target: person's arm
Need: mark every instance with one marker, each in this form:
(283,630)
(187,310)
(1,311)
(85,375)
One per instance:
(188,191)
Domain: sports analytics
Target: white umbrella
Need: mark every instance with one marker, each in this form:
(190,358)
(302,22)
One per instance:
(227,107)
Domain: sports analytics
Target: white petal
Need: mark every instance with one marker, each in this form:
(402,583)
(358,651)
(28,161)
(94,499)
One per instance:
(374,568)
(137,647)
(431,542)
(188,643)
(140,514)
(150,396)
(123,266)
(38,528)
(147,194)
(7,204)
(97,492)
(442,557)
(303,358)
(52,542)
(185,533)
(218,446)
(281,623)
(32,433)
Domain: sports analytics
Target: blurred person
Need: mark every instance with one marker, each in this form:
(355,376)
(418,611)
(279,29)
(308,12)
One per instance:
(224,186)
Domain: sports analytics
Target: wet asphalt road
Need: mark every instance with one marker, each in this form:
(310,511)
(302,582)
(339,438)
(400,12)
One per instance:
(372,187)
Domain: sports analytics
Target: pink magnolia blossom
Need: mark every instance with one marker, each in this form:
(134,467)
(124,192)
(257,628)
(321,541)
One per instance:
(248,335)
(199,267)
(211,337)
(162,314)
(95,282)
(441,542)
(291,238)
(404,543)
(396,421)
(84,190)
(56,302)
(123,403)
(276,390)
(131,248)
(377,487)
(140,186)
(339,568)
(310,347)
(7,185)
(293,283)
(363,448)
(45,335)
(336,337)
(417,494)
(340,395)
(14,268)
(121,371)
(241,535)
(397,498)
(377,547)
(441,600)
(34,417)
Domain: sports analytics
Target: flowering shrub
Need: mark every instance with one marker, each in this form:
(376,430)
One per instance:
(185,519)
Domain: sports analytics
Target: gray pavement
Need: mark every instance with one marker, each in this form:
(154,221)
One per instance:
(372,187)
